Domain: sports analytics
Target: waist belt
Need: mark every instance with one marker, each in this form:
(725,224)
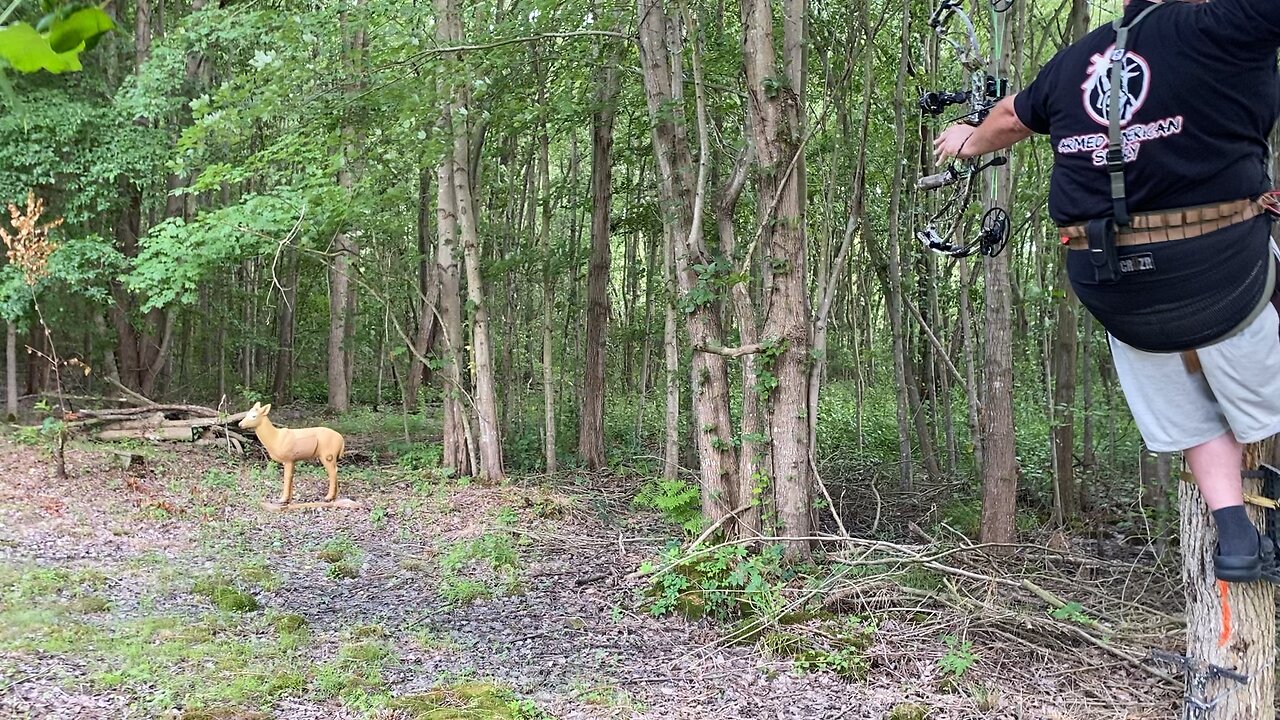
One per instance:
(1166,225)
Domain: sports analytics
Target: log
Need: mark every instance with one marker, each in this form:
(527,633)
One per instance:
(125,413)
(164,432)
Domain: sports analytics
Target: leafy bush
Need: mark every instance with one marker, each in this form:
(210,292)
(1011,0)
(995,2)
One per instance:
(427,456)
(729,583)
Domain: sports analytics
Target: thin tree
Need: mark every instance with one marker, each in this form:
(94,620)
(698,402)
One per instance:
(591,426)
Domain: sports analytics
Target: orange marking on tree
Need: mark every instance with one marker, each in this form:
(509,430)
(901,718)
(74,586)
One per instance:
(1223,592)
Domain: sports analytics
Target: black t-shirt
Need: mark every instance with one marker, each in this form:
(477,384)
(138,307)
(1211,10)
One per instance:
(1201,94)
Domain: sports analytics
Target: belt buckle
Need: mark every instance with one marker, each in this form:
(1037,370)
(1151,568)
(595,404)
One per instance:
(1270,202)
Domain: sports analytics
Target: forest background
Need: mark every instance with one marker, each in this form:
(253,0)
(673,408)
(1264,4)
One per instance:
(670,239)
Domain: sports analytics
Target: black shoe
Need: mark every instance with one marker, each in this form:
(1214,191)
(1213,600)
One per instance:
(1270,571)
(1245,568)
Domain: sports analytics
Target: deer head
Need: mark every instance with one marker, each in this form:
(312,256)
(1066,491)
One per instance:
(256,415)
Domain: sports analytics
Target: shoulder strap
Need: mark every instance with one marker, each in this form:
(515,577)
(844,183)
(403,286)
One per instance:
(1115,144)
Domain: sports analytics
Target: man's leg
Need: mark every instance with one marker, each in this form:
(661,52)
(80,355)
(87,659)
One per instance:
(1216,466)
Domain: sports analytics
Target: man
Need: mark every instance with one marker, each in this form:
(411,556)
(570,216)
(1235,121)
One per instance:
(1158,158)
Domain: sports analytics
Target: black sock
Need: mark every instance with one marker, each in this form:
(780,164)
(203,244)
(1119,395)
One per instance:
(1236,535)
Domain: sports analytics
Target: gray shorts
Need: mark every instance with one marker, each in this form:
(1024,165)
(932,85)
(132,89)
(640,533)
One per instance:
(1239,390)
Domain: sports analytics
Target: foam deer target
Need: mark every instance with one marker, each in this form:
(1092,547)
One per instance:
(287,446)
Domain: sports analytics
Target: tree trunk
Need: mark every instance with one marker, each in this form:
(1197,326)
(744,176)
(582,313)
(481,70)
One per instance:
(1000,473)
(286,317)
(11,371)
(1230,625)
(548,288)
(671,355)
(895,306)
(428,296)
(660,56)
(970,373)
(776,123)
(754,463)
(345,251)
(457,454)
(486,400)
(1064,397)
(591,427)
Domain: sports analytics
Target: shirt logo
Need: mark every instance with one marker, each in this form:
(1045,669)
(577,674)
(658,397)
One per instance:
(1135,81)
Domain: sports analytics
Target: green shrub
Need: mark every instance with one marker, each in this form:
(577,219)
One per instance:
(728,584)
(421,457)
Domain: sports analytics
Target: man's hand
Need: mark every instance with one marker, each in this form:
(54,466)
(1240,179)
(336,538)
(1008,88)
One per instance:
(951,143)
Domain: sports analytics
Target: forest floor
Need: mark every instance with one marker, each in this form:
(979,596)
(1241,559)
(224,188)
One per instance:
(168,591)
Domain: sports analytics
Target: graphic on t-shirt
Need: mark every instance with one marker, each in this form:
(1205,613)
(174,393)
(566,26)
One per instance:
(1135,81)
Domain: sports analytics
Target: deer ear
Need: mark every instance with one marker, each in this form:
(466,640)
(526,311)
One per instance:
(266,409)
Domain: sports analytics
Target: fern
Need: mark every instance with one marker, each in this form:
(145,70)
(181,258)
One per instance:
(678,501)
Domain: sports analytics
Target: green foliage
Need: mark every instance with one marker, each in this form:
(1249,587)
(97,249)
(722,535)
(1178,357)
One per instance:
(177,257)
(343,556)
(1073,612)
(461,591)
(958,658)
(27,49)
(220,479)
(421,457)
(225,595)
(495,550)
(729,583)
(464,701)
(479,568)
(679,502)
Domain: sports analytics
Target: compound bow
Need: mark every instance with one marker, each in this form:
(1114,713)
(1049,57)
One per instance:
(982,94)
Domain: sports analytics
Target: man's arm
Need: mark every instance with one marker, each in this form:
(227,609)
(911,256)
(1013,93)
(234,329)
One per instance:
(1000,130)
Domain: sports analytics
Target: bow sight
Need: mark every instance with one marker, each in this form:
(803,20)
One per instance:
(935,102)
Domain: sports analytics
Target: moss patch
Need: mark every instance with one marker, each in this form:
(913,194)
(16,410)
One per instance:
(466,701)
(908,711)
(225,595)
(224,714)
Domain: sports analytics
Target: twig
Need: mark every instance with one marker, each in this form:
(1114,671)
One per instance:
(136,396)
(716,526)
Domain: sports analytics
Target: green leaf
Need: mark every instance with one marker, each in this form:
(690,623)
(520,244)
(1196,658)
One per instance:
(83,27)
(27,51)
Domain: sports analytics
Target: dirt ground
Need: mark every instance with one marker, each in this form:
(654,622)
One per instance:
(167,591)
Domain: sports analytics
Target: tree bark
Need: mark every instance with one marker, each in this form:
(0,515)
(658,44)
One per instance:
(11,371)
(1231,625)
(548,287)
(660,57)
(671,355)
(1000,473)
(345,250)
(286,321)
(428,296)
(488,438)
(754,462)
(591,427)
(457,453)
(776,123)
(895,306)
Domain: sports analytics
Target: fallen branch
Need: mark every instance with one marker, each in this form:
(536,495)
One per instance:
(731,352)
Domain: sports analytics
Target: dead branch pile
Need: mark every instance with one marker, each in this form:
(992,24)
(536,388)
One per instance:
(162,423)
